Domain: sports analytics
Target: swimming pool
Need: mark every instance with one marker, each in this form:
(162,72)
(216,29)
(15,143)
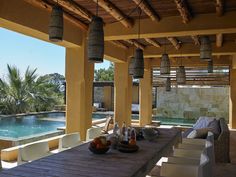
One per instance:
(33,125)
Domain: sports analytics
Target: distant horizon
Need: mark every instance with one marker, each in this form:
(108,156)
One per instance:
(23,51)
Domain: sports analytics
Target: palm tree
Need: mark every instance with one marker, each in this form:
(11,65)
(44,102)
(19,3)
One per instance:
(23,94)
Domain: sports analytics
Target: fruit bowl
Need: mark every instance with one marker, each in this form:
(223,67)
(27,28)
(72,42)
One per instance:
(101,150)
(124,146)
(99,145)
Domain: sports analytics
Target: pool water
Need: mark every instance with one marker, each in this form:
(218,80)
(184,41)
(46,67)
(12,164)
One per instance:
(30,125)
(26,126)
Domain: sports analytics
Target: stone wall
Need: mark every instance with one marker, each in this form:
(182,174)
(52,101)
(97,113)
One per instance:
(191,103)
(98,94)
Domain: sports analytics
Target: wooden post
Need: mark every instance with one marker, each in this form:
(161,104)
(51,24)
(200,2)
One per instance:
(123,94)
(79,80)
(232,95)
(107,97)
(145,112)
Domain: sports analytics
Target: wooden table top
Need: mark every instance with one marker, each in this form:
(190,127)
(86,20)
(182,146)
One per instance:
(80,162)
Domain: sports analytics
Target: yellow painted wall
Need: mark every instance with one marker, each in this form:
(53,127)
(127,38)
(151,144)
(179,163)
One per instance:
(135,94)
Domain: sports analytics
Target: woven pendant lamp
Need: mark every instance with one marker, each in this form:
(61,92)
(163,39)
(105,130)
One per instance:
(138,57)
(205,49)
(168,84)
(181,75)
(131,66)
(138,64)
(165,64)
(210,66)
(96,40)
(56,24)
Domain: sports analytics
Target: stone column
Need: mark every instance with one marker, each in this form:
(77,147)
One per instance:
(79,82)
(107,97)
(145,98)
(122,93)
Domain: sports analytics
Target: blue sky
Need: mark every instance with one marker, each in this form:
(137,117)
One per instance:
(23,51)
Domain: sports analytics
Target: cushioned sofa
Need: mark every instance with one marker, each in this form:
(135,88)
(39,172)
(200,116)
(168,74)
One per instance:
(221,142)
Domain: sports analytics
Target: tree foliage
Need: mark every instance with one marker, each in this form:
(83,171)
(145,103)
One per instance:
(20,94)
(104,74)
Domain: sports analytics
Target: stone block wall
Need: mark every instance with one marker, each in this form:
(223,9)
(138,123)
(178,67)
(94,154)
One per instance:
(191,103)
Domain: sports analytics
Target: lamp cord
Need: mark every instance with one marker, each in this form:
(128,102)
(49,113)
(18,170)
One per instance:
(97,9)
(140,11)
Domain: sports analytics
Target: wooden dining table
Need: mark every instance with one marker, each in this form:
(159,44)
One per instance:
(80,162)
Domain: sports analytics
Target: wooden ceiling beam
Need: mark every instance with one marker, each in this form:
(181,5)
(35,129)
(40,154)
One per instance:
(219,40)
(193,62)
(183,10)
(219,7)
(200,83)
(174,42)
(153,42)
(75,8)
(146,7)
(115,12)
(196,40)
(135,43)
(44,5)
(173,27)
(119,44)
(188,50)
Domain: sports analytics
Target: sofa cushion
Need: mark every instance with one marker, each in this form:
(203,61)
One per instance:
(203,122)
(198,133)
(186,132)
(214,127)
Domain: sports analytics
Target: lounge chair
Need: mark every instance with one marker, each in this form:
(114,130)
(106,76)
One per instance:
(93,132)
(32,152)
(109,121)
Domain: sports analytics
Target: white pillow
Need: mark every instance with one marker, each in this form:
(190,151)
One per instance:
(192,134)
(203,122)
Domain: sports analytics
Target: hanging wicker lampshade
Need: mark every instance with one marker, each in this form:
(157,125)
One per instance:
(210,66)
(56,24)
(205,49)
(131,66)
(165,64)
(138,70)
(96,40)
(180,75)
(168,84)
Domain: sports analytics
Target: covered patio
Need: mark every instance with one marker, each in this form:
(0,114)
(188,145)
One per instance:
(174,27)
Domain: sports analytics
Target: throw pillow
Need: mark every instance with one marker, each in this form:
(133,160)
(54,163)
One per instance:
(214,126)
(199,133)
(192,134)
(203,122)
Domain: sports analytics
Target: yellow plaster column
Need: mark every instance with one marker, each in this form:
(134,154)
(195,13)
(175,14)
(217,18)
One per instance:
(135,94)
(107,97)
(122,93)
(232,95)
(79,82)
(145,98)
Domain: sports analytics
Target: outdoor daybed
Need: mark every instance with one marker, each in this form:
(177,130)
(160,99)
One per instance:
(221,135)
